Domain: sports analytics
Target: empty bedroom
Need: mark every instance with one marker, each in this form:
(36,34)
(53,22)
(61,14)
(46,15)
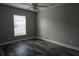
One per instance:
(39,29)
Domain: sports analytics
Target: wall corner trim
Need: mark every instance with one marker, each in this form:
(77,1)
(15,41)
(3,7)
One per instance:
(61,44)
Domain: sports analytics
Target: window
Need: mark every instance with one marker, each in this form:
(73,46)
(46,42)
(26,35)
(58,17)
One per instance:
(19,25)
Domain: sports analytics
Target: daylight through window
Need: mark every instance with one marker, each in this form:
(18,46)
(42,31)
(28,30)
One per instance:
(19,25)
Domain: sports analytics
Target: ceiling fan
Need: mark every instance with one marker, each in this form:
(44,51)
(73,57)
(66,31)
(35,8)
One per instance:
(38,6)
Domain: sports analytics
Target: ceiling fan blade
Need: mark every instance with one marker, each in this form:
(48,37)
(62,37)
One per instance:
(42,6)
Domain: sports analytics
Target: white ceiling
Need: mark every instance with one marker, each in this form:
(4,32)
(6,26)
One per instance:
(29,6)
(19,5)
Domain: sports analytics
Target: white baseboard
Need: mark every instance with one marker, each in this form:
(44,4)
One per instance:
(61,44)
(17,40)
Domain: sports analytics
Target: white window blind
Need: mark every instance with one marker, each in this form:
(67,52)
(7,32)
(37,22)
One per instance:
(19,25)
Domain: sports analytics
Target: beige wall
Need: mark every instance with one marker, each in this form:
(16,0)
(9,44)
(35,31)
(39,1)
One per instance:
(60,24)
